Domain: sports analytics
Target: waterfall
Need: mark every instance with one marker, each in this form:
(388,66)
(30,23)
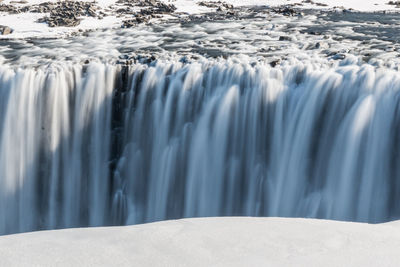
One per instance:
(103,144)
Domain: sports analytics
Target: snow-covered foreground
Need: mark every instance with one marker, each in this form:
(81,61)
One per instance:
(359,5)
(26,25)
(228,241)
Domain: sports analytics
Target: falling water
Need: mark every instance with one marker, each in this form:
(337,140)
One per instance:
(108,145)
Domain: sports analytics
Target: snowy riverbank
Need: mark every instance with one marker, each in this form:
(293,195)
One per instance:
(25,24)
(240,241)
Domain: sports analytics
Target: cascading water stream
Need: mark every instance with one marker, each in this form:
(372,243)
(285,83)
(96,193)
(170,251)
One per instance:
(104,144)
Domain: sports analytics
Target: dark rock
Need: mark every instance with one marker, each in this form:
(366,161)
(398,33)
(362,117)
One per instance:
(66,13)
(286,11)
(314,3)
(274,63)
(216,4)
(338,56)
(285,38)
(394,3)
(137,20)
(91,12)
(9,9)
(19,2)
(4,30)
(149,9)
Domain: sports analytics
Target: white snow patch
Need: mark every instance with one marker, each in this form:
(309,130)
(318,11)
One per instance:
(359,5)
(101,3)
(240,241)
(24,25)
(190,6)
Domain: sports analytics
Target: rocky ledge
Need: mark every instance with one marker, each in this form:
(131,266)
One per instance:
(66,13)
(147,9)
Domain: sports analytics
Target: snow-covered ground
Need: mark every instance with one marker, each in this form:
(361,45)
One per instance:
(240,241)
(359,5)
(25,24)
(191,6)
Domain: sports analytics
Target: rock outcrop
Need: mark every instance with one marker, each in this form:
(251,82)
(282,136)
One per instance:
(4,30)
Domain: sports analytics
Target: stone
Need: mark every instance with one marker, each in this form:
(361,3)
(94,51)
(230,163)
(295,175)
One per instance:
(5,30)
(285,38)
(285,11)
(338,56)
(274,63)
(66,13)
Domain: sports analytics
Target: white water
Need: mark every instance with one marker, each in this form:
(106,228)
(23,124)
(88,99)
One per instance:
(104,145)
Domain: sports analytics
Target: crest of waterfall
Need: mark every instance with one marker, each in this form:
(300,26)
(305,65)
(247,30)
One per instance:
(104,145)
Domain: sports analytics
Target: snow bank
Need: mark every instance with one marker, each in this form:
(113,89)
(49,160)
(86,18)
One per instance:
(192,7)
(25,24)
(224,241)
(360,5)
